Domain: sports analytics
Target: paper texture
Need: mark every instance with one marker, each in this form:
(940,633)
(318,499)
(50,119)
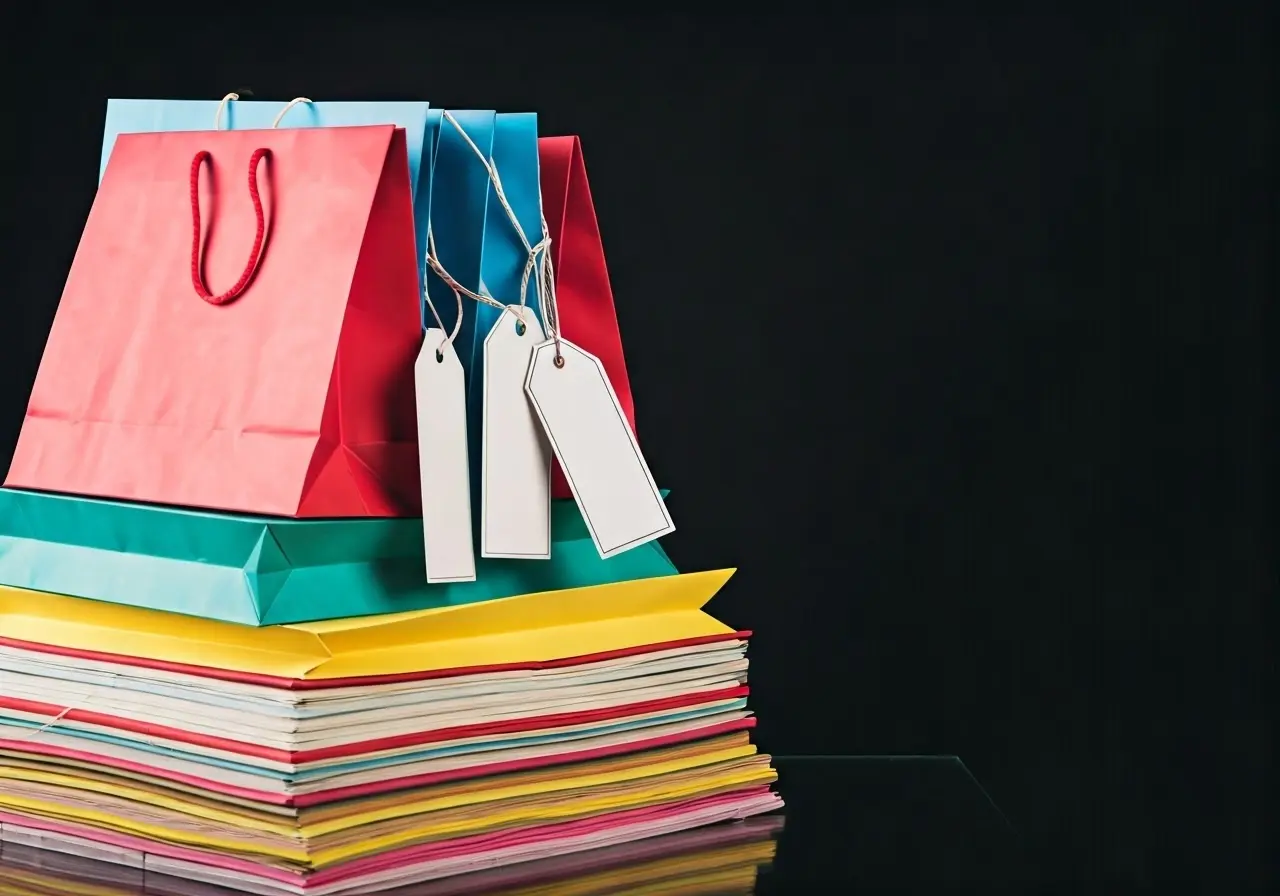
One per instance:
(296,399)
(443,462)
(411,864)
(515,480)
(55,750)
(583,293)
(111,814)
(720,859)
(420,124)
(528,629)
(459,201)
(264,571)
(570,393)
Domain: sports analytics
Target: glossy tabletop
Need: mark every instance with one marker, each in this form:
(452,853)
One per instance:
(881,821)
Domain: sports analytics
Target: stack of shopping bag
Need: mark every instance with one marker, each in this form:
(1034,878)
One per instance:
(328,553)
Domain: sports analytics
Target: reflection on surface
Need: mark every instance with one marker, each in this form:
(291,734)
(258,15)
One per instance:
(879,822)
(885,822)
(721,859)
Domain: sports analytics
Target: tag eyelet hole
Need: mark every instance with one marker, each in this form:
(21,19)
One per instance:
(439,357)
(521,329)
(559,361)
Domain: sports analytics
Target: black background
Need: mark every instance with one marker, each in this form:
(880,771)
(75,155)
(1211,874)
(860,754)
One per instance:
(951,332)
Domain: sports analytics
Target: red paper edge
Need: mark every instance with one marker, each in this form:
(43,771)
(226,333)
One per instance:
(299,684)
(358,748)
(388,785)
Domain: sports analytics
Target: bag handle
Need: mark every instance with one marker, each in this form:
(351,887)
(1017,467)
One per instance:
(259,239)
(296,101)
(230,97)
(217,116)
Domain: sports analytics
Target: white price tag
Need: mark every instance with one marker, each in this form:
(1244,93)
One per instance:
(601,460)
(442,458)
(515,478)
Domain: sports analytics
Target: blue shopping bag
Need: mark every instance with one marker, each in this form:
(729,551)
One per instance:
(459,188)
(477,242)
(130,116)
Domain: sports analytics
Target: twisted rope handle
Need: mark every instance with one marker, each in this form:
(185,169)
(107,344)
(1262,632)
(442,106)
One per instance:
(255,254)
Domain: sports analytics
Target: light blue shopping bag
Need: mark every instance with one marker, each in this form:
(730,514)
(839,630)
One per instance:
(131,116)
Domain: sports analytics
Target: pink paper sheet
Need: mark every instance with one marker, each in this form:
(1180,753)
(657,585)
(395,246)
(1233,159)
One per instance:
(375,787)
(458,855)
(124,871)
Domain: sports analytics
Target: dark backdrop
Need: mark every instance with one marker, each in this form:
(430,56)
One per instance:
(949,332)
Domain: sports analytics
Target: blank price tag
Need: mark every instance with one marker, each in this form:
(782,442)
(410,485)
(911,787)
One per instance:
(607,473)
(442,458)
(515,484)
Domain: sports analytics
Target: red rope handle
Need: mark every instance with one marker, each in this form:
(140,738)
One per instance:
(255,254)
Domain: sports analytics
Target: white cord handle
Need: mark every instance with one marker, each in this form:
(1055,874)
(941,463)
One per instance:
(217,116)
(296,101)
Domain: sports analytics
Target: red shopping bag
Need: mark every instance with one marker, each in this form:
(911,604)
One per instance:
(583,295)
(238,329)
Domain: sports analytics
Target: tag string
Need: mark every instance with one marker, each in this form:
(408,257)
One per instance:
(547,295)
(539,255)
(458,290)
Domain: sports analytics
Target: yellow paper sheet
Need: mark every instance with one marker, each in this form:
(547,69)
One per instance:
(541,813)
(725,865)
(723,870)
(20,882)
(356,817)
(78,773)
(551,625)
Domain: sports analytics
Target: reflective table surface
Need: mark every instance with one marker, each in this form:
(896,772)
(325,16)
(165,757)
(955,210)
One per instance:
(872,821)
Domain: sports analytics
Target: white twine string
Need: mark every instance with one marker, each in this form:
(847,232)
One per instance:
(297,100)
(454,285)
(82,701)
(492,170)
(36,732)
(539,257)
(547,295)
(217,116)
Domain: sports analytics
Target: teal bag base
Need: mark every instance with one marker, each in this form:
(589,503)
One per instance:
(272,571)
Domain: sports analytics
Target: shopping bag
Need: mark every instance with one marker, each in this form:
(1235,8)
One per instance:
(583,294)
(135,116)
(263,571)
(285,385)
(460,188)
(505,274)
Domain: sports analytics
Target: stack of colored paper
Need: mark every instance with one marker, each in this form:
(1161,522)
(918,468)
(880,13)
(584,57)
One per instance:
(357,755)
(720,860)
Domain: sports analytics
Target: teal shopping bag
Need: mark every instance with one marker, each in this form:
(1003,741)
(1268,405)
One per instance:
(129,116)
(267,570)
